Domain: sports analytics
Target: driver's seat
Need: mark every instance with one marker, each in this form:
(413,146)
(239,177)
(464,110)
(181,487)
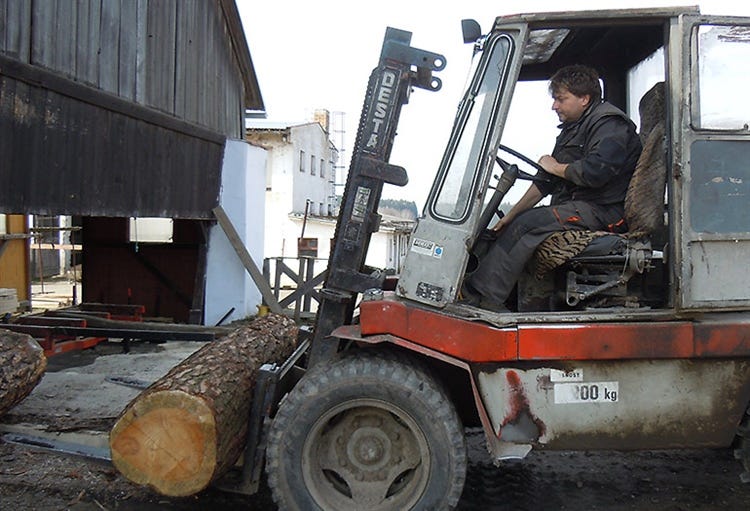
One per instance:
(586,254)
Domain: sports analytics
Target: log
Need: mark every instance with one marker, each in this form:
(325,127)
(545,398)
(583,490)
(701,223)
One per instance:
(189,427)
(22,365)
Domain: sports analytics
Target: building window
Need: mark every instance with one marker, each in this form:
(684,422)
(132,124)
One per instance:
(302,161)
(322,168)
(312,164)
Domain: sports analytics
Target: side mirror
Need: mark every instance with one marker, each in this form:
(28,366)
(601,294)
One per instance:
(471,31)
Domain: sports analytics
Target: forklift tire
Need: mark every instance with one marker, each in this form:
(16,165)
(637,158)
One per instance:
(742,450)
(367,432)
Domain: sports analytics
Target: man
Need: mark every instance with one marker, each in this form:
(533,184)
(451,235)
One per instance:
(590,167)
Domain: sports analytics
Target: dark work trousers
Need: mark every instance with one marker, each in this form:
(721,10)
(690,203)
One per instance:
(499,269)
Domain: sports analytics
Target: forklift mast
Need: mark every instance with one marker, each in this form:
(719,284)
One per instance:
(401,67)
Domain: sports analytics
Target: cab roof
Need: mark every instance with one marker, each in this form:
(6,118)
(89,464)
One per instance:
(609,40)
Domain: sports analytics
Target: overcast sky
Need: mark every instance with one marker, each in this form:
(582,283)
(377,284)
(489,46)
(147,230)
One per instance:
(319,54)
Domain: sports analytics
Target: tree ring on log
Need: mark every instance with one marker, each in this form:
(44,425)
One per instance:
(170,446)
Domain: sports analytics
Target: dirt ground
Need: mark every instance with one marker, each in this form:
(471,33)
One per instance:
(78,394)
(659,481)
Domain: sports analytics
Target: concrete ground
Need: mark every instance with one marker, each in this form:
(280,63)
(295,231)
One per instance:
(54,292)
(72,409)
(83,392)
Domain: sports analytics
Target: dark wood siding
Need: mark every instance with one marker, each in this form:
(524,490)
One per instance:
(73,150)
(177,56)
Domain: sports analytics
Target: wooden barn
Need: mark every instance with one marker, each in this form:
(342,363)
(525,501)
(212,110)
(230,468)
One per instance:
(118,109)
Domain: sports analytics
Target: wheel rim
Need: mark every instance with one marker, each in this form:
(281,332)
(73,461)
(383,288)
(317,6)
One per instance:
(366,454)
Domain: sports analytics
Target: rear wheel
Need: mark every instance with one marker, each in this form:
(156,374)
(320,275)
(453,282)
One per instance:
(366,432)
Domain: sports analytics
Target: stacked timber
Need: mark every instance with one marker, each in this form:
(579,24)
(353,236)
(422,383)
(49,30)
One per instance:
(22,365)
(189,427)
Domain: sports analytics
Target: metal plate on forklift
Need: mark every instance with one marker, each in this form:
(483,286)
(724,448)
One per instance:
(599,392)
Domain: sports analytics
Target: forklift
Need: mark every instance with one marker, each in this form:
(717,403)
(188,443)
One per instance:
(638,340)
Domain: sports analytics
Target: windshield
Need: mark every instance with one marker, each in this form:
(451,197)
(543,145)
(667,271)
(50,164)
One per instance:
(458,177)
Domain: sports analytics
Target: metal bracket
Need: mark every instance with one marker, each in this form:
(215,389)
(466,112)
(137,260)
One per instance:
(386,172)
(396,47)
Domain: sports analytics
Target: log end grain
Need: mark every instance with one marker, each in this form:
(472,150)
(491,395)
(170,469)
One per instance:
(22,365)
(167,441)
(190,426)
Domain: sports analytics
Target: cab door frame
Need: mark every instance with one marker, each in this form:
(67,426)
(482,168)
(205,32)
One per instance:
(711,240)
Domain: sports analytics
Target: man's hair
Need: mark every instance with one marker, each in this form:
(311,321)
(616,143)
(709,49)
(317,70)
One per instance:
(580,80)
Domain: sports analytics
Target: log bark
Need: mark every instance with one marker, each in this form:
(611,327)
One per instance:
(22,365)
(189,427)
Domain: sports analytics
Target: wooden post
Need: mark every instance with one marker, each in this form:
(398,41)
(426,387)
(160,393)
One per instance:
(247,260)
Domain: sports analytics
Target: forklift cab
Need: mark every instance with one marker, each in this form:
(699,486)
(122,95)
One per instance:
(613,350)
(685,207)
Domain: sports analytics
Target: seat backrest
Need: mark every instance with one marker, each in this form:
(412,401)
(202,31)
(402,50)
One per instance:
(644,201)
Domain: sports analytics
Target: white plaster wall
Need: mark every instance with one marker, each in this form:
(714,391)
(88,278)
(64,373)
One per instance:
(311,139)
(378,254)
(228,285)
(279,201)
(289,189)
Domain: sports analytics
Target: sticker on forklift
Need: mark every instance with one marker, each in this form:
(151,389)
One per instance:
(598,392)
(556,375)
(359,209)
(425,247)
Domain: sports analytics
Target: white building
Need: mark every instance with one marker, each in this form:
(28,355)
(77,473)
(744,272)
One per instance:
(299,179)
(301,193)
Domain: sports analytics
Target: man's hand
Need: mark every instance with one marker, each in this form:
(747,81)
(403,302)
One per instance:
(551,165)
(501,223)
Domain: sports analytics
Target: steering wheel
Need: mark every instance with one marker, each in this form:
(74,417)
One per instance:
(493,206)
(542,176)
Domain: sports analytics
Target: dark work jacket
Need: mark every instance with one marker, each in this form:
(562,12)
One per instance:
(601,150)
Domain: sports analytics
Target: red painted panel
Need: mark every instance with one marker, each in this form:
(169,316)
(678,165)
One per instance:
(606,341)
(465,340)
(722,338)
(472,341)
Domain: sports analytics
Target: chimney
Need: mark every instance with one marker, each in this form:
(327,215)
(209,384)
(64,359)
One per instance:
(322,117)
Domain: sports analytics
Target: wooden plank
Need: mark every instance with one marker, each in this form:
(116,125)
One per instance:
(14,258)
(306,290)
(64,38)
(109,45)
(93,29)
(113,308)
(3,26)
(51,321)
(247,261)
(128,50)
(140,51)
(160,55)
(21,34)
(82,63)
(41,78)
(57,246)
(42,29)
(182,28)
(199,287)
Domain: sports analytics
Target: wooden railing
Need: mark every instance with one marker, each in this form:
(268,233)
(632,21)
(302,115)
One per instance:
(296,291)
